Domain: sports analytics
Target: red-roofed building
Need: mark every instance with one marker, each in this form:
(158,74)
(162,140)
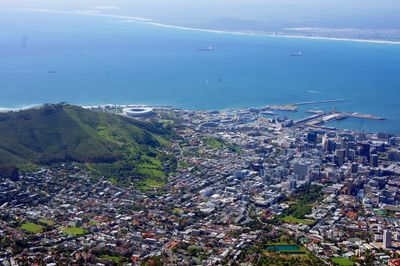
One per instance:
(394,262)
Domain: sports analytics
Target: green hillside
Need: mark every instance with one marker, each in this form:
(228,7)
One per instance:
(108,143)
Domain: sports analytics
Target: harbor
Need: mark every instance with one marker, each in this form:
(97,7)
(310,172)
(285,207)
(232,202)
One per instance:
(321,118)
(293,107)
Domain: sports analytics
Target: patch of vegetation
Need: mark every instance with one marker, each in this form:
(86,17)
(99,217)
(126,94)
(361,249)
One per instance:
(74,231)
(47,222)
(216,143)
(111,145)
(149,184)
(32,228)
(115,259)
(267,259)
(92,222)
(341,261)
(177,211)
(167,122)
(28,168)
(259,253)
(301,203)
(195,250)
(183,164)
(291,219)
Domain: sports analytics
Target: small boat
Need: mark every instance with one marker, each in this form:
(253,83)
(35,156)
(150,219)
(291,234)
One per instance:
(297,54)
(52,72)
(210,48)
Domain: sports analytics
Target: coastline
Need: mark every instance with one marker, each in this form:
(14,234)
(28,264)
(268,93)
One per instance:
(4,110)
(133,19)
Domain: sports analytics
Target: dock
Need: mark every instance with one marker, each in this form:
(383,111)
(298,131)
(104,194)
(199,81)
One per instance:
(321,118)
(309,118)
(288,108)
(365,116)
(293,107)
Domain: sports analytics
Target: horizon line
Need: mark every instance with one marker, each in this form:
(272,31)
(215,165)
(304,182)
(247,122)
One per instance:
(149,21)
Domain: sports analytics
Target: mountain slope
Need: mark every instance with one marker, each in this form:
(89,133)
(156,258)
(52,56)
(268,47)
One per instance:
(58,133)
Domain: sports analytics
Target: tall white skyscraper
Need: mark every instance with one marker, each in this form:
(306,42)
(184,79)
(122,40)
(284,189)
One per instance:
(387,239)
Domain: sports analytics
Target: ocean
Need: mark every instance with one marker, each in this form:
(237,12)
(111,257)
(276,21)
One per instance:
(89,60)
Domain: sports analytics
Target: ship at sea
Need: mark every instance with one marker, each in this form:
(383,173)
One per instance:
(297,54)
(208,49)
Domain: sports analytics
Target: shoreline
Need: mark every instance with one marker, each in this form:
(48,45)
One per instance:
(133,19)
(4,110)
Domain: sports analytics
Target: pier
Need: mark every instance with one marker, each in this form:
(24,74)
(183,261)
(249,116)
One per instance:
(321,118)
(365,116)
(293,107)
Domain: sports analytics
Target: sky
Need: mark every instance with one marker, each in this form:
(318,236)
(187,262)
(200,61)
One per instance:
(264,13)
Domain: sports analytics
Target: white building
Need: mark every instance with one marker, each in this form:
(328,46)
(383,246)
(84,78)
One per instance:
(387,239)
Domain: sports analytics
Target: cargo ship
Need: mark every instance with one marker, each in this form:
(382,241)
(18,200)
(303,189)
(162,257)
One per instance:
(297,54)
(210,48)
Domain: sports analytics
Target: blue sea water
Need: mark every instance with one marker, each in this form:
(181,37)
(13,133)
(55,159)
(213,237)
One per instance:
(108,60)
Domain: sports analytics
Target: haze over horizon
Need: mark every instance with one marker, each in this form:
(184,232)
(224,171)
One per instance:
(242,15)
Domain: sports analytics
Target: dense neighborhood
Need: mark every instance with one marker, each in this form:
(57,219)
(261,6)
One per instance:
(249,189)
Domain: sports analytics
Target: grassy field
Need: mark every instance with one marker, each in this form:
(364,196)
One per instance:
(92,222)
(342,261)
(149,183)
(301,203)
(115,259)
(32,228)
(291,219)
(47,222)
(215,143)
(74,231)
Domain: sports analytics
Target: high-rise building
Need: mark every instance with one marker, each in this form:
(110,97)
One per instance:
(387,239)
(374,160)
(393,156)
(352,146)
(365,150)
(293,184)
(300,170)
(328,145)
(354,168)
(350,186)
(351,155)
(312,137)
(340,154)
